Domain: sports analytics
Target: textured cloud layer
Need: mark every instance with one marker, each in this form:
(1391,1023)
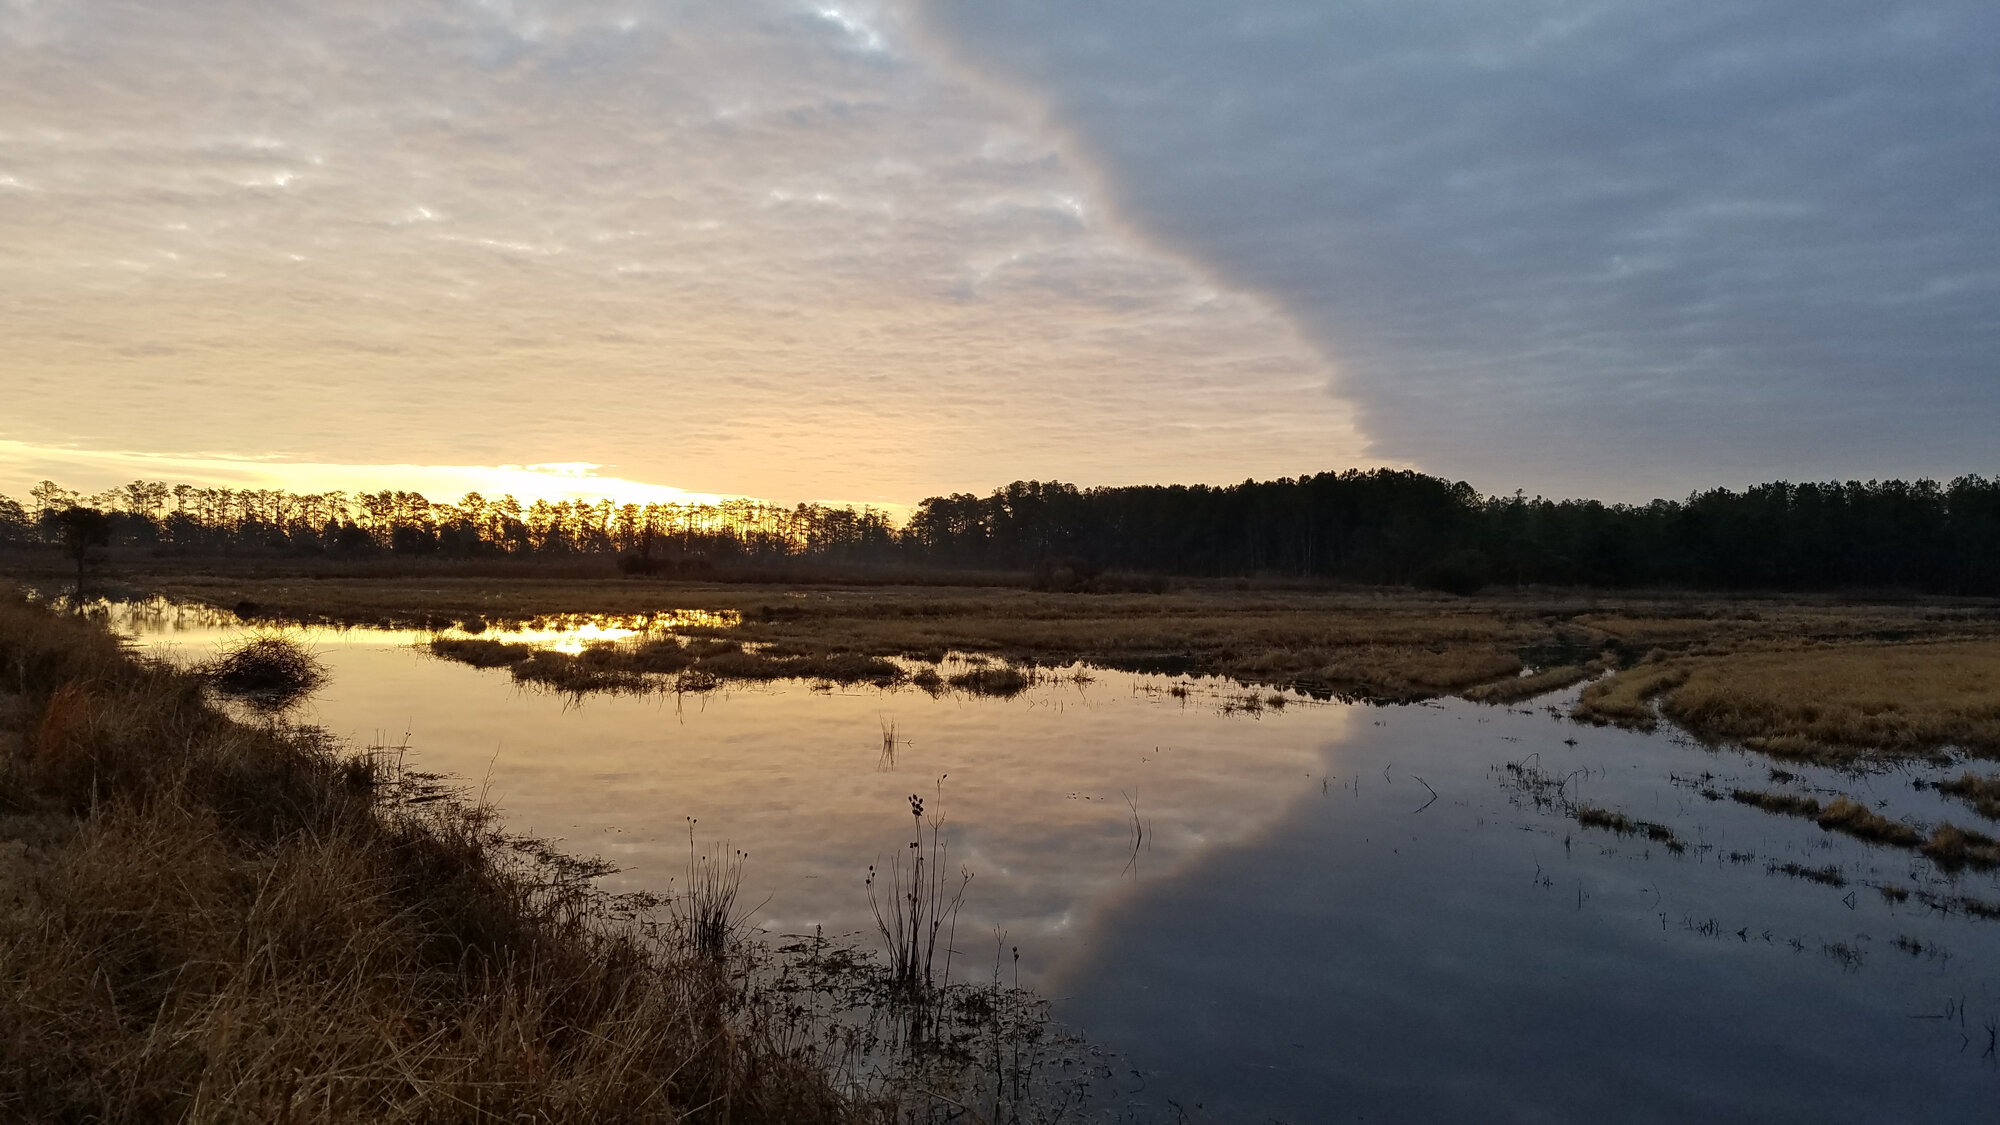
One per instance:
(741,247)
(1584,246)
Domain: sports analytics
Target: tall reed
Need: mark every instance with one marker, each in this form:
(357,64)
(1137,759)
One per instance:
(919,916)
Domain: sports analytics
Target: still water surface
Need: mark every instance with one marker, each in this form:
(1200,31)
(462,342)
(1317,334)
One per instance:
(1306,912)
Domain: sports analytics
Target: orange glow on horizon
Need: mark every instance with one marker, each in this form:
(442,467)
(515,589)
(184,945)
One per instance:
(22,465)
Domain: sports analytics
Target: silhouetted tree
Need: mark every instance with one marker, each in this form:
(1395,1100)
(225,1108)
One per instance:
(83,532)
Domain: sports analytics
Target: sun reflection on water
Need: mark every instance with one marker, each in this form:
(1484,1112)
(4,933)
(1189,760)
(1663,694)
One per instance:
(161,618)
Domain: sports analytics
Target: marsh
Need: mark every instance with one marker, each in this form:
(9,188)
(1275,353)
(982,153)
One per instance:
(1411,909)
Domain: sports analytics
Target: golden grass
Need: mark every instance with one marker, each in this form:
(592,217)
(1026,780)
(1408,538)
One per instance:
(1626,699)
(1982,793)
(1784,804)
(216,922)
(1516,689)
(1849,816)
(1837,703)
(1949,846)
(1952,847)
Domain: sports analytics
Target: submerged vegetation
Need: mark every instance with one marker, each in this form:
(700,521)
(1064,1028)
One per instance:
(1592,816)
(1847,815)
(1952,847)
(1981,792)
(1948,845)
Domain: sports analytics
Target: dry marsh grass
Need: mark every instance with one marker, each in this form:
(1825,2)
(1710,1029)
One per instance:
(1949,846)
(1784,804)
(1952,847)
(1814,677)
(218,922)
(480,653)
(640,666)
(1521,688)
(1982,793)
(1849,816)
(1626,699)
(1829,875)
(270,670)
(1593,816)
(1839,703)
(1000,681)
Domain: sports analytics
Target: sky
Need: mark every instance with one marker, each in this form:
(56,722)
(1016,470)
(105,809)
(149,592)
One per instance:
(874,251)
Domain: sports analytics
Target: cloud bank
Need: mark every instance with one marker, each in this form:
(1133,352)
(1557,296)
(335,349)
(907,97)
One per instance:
(1580,246)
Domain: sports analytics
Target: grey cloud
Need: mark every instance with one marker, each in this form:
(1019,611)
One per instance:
(1579,246)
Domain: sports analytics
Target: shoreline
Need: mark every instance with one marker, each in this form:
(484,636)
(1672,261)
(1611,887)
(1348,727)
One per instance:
(208,918)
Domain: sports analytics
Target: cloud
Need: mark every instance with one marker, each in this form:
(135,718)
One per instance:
(747,247)
(1582,246)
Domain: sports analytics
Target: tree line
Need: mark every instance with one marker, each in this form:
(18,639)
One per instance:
(185,519)
(1373,526)
(1402,527)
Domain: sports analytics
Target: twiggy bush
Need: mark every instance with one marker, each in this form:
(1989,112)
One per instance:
(270,670)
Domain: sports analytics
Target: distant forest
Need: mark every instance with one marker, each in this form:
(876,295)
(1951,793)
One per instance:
(1375,526)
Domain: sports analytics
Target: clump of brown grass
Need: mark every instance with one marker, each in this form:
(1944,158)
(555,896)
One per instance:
(270,670)
(1952,848)
(233,923)
(577,673)
(1594,816)
(1855,819)
(1786,804)
(836,667)
(1982,793)
(479,652)
(1003,681)
(1829,876)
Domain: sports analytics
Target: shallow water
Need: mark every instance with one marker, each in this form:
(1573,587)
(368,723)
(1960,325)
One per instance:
(1316,912)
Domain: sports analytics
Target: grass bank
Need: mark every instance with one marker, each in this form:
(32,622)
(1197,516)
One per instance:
(1821,702)
(210,920)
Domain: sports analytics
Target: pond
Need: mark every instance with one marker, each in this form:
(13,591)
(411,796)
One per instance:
(1268,907)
